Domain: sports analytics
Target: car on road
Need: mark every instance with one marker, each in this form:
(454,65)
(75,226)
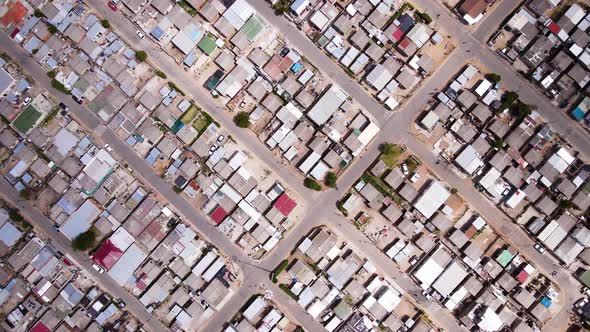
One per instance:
(327,316)
(63,107)
(108,148)
(586,290)
(427,295)
(78,100)
(112,6)
(27,100)
(98,268)
(56,228)
(539,247)
(220,138)
(139,34)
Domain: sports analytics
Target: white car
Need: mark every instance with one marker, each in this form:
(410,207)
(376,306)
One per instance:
(139,34)
(108,148)
(581,302)
(427,295)
(220,138)
(586,290)
(405,169)
(98,268)
(27,100)
(539,247)
(415,177)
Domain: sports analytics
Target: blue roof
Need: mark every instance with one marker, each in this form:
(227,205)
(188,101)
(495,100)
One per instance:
(193,32)
(190,59)
(546,302)
(151,158)
(157,32)
(578,114)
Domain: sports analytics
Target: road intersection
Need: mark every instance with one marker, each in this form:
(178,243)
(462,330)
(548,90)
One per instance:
(394,129)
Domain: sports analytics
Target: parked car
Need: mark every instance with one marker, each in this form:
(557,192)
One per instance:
(63,107)
(220,138)
(108,148)
(586,290)
(327,316)
(405,169)
(27,100)
(139,34)
(415,177)
(213,149)
(581,302)
(112,6)
(98,268)
(539,247)
(427,295)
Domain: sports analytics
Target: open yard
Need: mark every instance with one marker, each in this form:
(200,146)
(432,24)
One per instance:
(27,119)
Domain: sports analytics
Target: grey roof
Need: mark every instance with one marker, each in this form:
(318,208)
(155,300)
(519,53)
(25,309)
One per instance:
(458,238)
(392,212)
(546,205)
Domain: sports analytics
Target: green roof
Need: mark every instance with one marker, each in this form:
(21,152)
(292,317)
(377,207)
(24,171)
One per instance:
(27,119)
(252,27)
(504,258)
(207,45)
(585,278)
(343,310)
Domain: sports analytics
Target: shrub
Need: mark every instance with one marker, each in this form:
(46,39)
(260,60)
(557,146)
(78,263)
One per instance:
(105,23)
(51,74)
(508,99)
(331,179)
(495,78)
(242,119)
(38,13)
(15,215)
(566,204)
(281,7)
(51,28)
(160,73)
(521,110)
(424,17)
(498,143)
(141,56)
(60,87)
(312,184)
(280,268)
(85,240)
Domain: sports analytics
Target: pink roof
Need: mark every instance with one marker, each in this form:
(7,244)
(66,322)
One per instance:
(397,35)
(40,327)
(285,204)
(218,215)
(107,255)
(522,276)
(404,43)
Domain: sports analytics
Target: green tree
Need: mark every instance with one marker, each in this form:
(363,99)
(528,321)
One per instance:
(508,99)
(105,23)
(38,13)
(498,143)
(521,110)
(15,215)
(51,28)
(242,119)
(493,77)
(160,73)
(141,56)
(388,148)
(85,240)
(566,204)
(281,7)
(312,184)
(331,179)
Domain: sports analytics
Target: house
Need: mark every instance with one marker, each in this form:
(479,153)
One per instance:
(472,10)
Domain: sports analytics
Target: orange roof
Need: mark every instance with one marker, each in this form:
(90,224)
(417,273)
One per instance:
(473,7)
(14,15)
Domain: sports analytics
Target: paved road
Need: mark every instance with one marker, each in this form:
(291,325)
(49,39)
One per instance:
(183,79)
(124,154)
(44,227)
(560,122)
(492,19)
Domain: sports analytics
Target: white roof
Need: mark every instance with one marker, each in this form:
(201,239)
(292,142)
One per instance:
(575,13)
(368,133)
(204,263)
(432,199)
(254,308)
(515,199)
(429,120)
(327,105)
(566,155)
(213,269)
(126,265)
(9,234)
(483,87)
(428,272)
(378,77)
(299,6)
(469,160)
(490,321)
(489,179)
(547,230)
(122,239)
(450,279)
(320,170)
(309,162)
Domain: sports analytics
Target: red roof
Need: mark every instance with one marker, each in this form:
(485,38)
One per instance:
(107,255)
(40,327)
(522,276)
(553,27)
(14,15)
(404,43)
(285,204)
(397,35)
(218,215)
